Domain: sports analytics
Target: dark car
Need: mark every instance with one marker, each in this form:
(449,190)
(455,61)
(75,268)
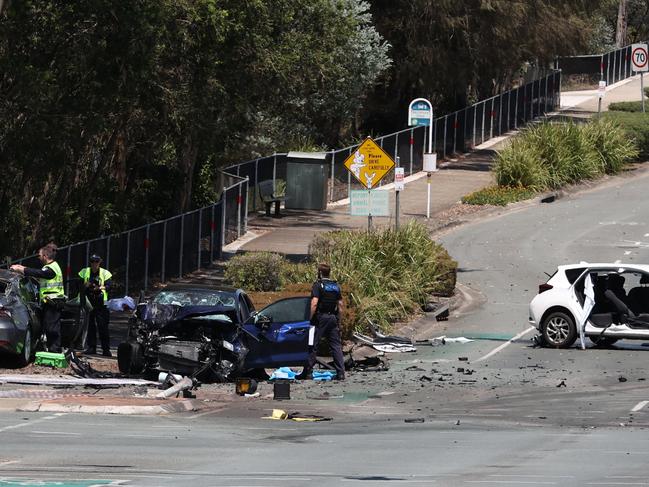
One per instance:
(214,333)
(20,325)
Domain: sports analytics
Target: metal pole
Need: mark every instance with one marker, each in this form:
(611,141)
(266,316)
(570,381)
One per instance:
(239,201)
(200,233)
(164,251)
(614,65)
(254,189)
(491,117)
(601,68)
(484,109)
(245,208)
(146,257)
(331,181)
(475,114)
(68,267)
(369,214)
(445,129)
(412,145)
(642,89)
(212,225)
(182,244)
(455,134)
(524,104)
(545,105)
(396,200)
(509,99)
(274,171)
(128,253)
(428,178)
(516,109)
(223,225)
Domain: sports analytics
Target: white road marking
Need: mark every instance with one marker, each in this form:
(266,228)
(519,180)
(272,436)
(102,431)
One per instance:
(506,344)
(628,252)
(31,422)
(66,433)
(534,482)
(214,411)
(9,462)
(639,406)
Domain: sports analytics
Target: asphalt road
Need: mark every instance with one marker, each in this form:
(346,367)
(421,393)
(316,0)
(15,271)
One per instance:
(495,411)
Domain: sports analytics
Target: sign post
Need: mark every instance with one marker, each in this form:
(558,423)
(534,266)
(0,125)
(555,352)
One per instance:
(398,187)
(601,91)
(640,64)
(368,164)
(420,112)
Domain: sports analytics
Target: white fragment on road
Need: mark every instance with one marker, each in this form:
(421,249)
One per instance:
(639,406)
(628,252)
(506,344)
(29,423)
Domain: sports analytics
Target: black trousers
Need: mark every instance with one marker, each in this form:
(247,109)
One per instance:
(52,326)
(326,326)
(98,322)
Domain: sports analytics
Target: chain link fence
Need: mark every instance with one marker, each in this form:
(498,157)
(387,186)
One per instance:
(457,132)
(611,67)
(163,250)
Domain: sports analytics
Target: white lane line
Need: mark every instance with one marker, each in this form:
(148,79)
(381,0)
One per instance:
(65,433)
(30,423)
(506,344)
(9,462)
(628,252)
(639,406)
(532,482)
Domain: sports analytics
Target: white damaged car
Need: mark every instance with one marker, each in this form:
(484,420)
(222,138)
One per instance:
(605,302)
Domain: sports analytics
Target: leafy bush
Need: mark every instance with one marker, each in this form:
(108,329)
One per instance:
(627,106)
(635,127)
(498,195)
(551,155)
(390,273)
(255,271)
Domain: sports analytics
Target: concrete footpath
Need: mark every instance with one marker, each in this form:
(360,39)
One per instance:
(291,234)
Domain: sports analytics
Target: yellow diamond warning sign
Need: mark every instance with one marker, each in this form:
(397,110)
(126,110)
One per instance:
(369,163)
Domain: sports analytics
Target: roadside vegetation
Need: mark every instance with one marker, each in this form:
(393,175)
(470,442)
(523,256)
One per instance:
(549,156)
(386,275)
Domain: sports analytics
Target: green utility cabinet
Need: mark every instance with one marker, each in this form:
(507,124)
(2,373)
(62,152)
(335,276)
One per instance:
(306,181)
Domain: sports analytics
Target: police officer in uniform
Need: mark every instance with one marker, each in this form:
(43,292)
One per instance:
(52,293)
(326,303)
(96,281)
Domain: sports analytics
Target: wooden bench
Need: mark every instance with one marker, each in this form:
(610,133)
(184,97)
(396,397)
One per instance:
(268,197)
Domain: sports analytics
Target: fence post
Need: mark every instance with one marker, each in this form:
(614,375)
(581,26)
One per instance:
(484,109)
(532,103)
(212,227)
(200,233)
(274,171)
(545,109)
(182,244)
(223,202)
(445,129)
(491,117)
(509,99)
(146,257)
(516,109)
(254,188)
(455,133)
(412,145)
(245,208)
(239,200)
(614,65)
(128,255)
(68,269)
(164,251)
(331,182)
(475,115)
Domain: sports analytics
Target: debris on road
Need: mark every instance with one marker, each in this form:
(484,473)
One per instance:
(52,380)
(280,414)
(562,384)
(414,420)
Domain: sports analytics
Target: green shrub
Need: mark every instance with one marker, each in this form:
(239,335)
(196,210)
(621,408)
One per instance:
(255,271)
(518,165)
(636,128)
(627,106)
(390,273)
(498,195)
(611,143)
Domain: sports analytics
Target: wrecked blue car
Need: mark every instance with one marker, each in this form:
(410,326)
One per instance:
(214,334)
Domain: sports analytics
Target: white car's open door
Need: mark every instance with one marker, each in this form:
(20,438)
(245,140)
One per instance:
(586,307)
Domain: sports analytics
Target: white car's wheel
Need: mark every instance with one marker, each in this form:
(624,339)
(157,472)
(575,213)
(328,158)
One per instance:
(559,330)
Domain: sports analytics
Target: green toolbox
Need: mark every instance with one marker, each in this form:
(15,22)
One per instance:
(51,359)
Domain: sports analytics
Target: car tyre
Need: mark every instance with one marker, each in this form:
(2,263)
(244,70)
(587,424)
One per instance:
(130,358)
(27,353)
(559,330)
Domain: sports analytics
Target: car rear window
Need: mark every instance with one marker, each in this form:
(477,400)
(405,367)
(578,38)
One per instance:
(573,274)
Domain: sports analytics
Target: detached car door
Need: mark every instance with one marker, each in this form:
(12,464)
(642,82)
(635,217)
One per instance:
(282,331)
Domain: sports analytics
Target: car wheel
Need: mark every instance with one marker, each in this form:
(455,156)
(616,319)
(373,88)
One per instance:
(601,341)
(559,330)
(25,356)
(130,358)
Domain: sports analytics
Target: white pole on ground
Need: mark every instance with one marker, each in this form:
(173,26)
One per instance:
(642,89)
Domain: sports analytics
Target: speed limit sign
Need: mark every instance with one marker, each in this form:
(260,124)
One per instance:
(639,58)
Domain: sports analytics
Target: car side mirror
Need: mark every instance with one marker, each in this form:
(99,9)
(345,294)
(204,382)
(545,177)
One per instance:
(263,321)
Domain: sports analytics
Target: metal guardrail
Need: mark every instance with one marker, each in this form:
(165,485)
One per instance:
(460,131)
(611,67)
(162,250)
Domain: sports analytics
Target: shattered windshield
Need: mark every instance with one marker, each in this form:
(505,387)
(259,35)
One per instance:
(195,297)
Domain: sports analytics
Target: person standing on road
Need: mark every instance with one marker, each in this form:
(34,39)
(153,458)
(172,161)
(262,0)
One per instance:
(96,282)
(52,293)
(326,304)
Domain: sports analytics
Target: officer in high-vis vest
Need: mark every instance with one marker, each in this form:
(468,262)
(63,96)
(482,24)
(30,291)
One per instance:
(326,304)
(52,293)
(96,281)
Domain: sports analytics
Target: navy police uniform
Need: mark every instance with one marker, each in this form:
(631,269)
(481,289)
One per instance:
(325,321)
